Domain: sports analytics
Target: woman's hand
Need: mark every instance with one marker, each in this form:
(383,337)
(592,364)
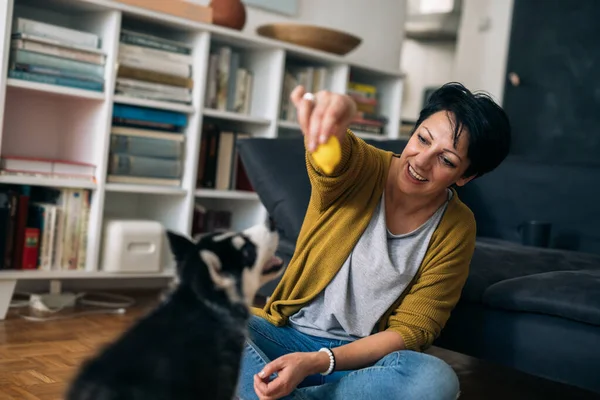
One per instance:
(330,114)
(291,369)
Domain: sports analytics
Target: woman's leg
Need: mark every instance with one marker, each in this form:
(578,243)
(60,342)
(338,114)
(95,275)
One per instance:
(267,342)
(399,375)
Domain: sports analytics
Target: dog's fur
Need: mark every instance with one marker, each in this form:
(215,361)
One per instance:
(190,346)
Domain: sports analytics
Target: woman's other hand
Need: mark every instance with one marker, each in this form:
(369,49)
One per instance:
(329,114)
(291,369)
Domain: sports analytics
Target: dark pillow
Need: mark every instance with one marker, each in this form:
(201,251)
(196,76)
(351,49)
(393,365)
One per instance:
(277,171)
(569,294)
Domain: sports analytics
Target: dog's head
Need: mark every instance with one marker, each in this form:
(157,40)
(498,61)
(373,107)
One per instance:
(236,263)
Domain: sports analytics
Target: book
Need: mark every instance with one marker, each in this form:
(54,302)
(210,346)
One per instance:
(67,35)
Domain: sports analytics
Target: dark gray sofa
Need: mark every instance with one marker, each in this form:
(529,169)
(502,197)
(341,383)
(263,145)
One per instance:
(536,310)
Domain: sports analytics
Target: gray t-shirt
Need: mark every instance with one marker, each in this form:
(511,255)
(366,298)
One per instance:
(376,273)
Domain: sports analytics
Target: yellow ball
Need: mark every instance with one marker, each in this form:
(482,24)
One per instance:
(328,155)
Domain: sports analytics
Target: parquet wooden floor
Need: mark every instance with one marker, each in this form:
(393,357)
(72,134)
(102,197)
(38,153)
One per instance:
(38,359)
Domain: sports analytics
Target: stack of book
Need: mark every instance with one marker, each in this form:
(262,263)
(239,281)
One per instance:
(313,79)
(43,228)
(154,68)
(367,119)
(229,84)
(146,146)
(52,54)
(219,164)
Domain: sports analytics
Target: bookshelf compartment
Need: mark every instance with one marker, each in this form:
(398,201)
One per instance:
(47,228)
(148,146)
(168,210)
(229,214)
(244,91)
(38,126)
(313,75)
(220,167)
(378,99)
(171,211)
(156,65)
(63,45)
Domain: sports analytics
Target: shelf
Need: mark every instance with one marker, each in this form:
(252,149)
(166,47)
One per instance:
(150,189)
(226,194)
(232,116)
(49,182)
(78,274)
(55,89)
(289,125)
(161,105)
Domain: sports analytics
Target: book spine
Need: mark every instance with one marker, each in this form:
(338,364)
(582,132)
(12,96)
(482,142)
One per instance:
(234,63)
(156,77)
(151,86)
(56,80)
(31,247)
(124,164)
(145,147)
(83,231)
(151,95)
(58,51)
(135,38)
(149,114)
(223,77)
(67,35)
(148,52)
(10,229)
(27,57)
(156,65)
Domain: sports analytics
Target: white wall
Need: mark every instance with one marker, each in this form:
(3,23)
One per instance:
(381,27)
(482,48)
(477,58)
(425,64)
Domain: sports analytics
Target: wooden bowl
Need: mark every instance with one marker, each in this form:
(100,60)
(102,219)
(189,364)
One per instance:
(315,37)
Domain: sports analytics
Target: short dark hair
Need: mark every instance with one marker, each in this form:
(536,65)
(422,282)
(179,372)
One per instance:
(477,113)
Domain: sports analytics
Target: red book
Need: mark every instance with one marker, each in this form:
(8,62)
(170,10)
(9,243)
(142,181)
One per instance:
(22,211)
(31,248)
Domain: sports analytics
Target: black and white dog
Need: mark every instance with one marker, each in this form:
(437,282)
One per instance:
(190,346)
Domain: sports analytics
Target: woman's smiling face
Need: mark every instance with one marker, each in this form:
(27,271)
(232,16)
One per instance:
(431,160)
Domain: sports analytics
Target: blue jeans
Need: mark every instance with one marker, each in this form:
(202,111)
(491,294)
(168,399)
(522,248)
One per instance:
(399,375)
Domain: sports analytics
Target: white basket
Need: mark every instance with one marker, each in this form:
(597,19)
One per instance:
(132,246)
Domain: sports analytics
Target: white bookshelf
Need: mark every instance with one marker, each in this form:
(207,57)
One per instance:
(42,120)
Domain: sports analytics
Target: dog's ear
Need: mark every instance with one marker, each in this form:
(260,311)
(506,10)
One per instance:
(180,245)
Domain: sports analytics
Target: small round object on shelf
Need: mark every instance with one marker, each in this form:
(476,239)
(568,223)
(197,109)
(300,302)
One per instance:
(229,13)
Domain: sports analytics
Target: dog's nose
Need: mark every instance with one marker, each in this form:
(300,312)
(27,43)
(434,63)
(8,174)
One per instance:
(271,224)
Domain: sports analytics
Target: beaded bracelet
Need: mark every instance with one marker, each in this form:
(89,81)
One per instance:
(331,361)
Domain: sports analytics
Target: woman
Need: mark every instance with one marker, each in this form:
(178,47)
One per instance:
(381,258)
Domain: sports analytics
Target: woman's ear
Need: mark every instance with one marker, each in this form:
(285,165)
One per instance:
(464,180)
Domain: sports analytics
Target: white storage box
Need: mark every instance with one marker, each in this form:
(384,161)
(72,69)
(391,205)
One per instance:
(132,246)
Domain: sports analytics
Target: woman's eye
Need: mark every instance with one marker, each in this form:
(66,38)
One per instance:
(448,162)
(422,139)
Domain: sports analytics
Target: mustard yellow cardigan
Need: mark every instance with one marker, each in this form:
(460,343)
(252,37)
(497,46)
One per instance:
(339,210)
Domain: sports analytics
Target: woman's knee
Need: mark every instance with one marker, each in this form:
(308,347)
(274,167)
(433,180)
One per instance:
(429,377)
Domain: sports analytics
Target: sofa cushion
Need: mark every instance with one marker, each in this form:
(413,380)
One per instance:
(573,295)
(498,260)
(277,171)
